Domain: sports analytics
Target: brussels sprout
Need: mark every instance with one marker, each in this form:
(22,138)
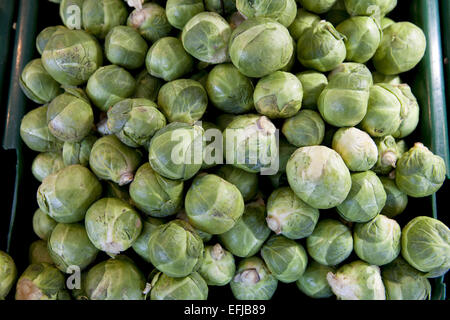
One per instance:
(282,11)
(78,152)
(175,248)
(112,225)
(292,62)
(313,281)
(403,282)
(306,128)
(381,78)
(388,154)
(41,281)
(217,266)
(285,152)
(72,56)
(419,172)
(317,6)
(313,83)
(410,113)
(147,86)
(191,287)
(356,148)
(344,101)
(369,7)
(396,200)
(365,200)
(38,253)
(151,21)
(253,281)
(246,182)
(70,12)
(8,274)
(43,225)
(229,90)
(112,160)
(222,7)
(357,281)
(260,46)
(302,22)
(337,13)
(115,279)
(321,47)
(249,233)
(401,49)
(386,22)
(100,16)
(67,194)
(179,12)
(45,164)
(426,246)
(140,246)
(205,236)
(318,176)
(109,85)
(168,60)
(44,36)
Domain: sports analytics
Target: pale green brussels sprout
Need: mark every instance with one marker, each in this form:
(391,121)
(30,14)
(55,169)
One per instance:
(249,233)
(176,151)
(386,22)
(388,155)
(109,85)
(369,7)
(246,182)
(41,281)
(253,280)
(337,13)
(396,200)
(115,279)
(419,172)
(217,266)
(278,95)
(229,90)
(344,101)
(110,159)
(100,16)
(222,7)
(381,78)
(44,36)
(302,22)
(306,128)
(70,12)
(410,113)
(289,216)
(8,274)
(190,287)
(147,86)
(235,19)
(283,11)
(67,194)
(321,47)
(317,6)
(318,176)
(78,152)
(403,282)
(285,151)
(112,225)
(175,249)
(140,246)
(313,84)
(168,60)
(213,204)
(179,12)
(330,243)
(151,21)
(72,56)
(260,46)
(357,281)
(45,164)
(205,236)
(155,195)
(365,200)
(426,246)
(285,258)
(313,282)
(43,224)
(38,253)
(356,148)
(401,49)
(69,246)
(37,84)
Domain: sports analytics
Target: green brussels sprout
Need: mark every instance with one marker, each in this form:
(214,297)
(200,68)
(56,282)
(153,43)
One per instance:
(396,200)
(179,12)
(183,100)
(409,115)
(313,84)
(317,6)
(306,128)
(229,90)
(313,281)
(38,253)
(285,152)
(235,19)
(8,274)
(206,37)
(112,225)
(110,159)
(369,7)
(109,85)
(168,60)
(140,246)
(403,282)
(283,11)
(147,86)
(330,243)
(278,95)
(381,78)
(365,200)
(41,281)
(190,287)
(246,182)
(357,281)
(289,216)
(155,195)
(176,151)
(426,246)
(401,49)
(356,148)
(151,21)
(321,47)
(260,46)
(205,236)
(222,7)
(253,280)
(292,62)
(318,176)
(344,101)
(217,266)
(100,16)
(302,22)
(175,248)
(213,204)
(115,279)
(67,194)
(337,13)
(386,22)
(388,155)
(43,224)
(78,152)
(419,172)
(72,56)
(44,36)
(249,233)
(285,258)
(45,164)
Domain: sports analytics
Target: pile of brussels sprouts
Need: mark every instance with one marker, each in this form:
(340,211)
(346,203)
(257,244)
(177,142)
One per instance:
(114,94)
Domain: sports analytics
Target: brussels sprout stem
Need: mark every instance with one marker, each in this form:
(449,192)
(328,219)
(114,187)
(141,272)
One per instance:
(126,178)
(249,276)
(217,252)
(274,225)
(389,158)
